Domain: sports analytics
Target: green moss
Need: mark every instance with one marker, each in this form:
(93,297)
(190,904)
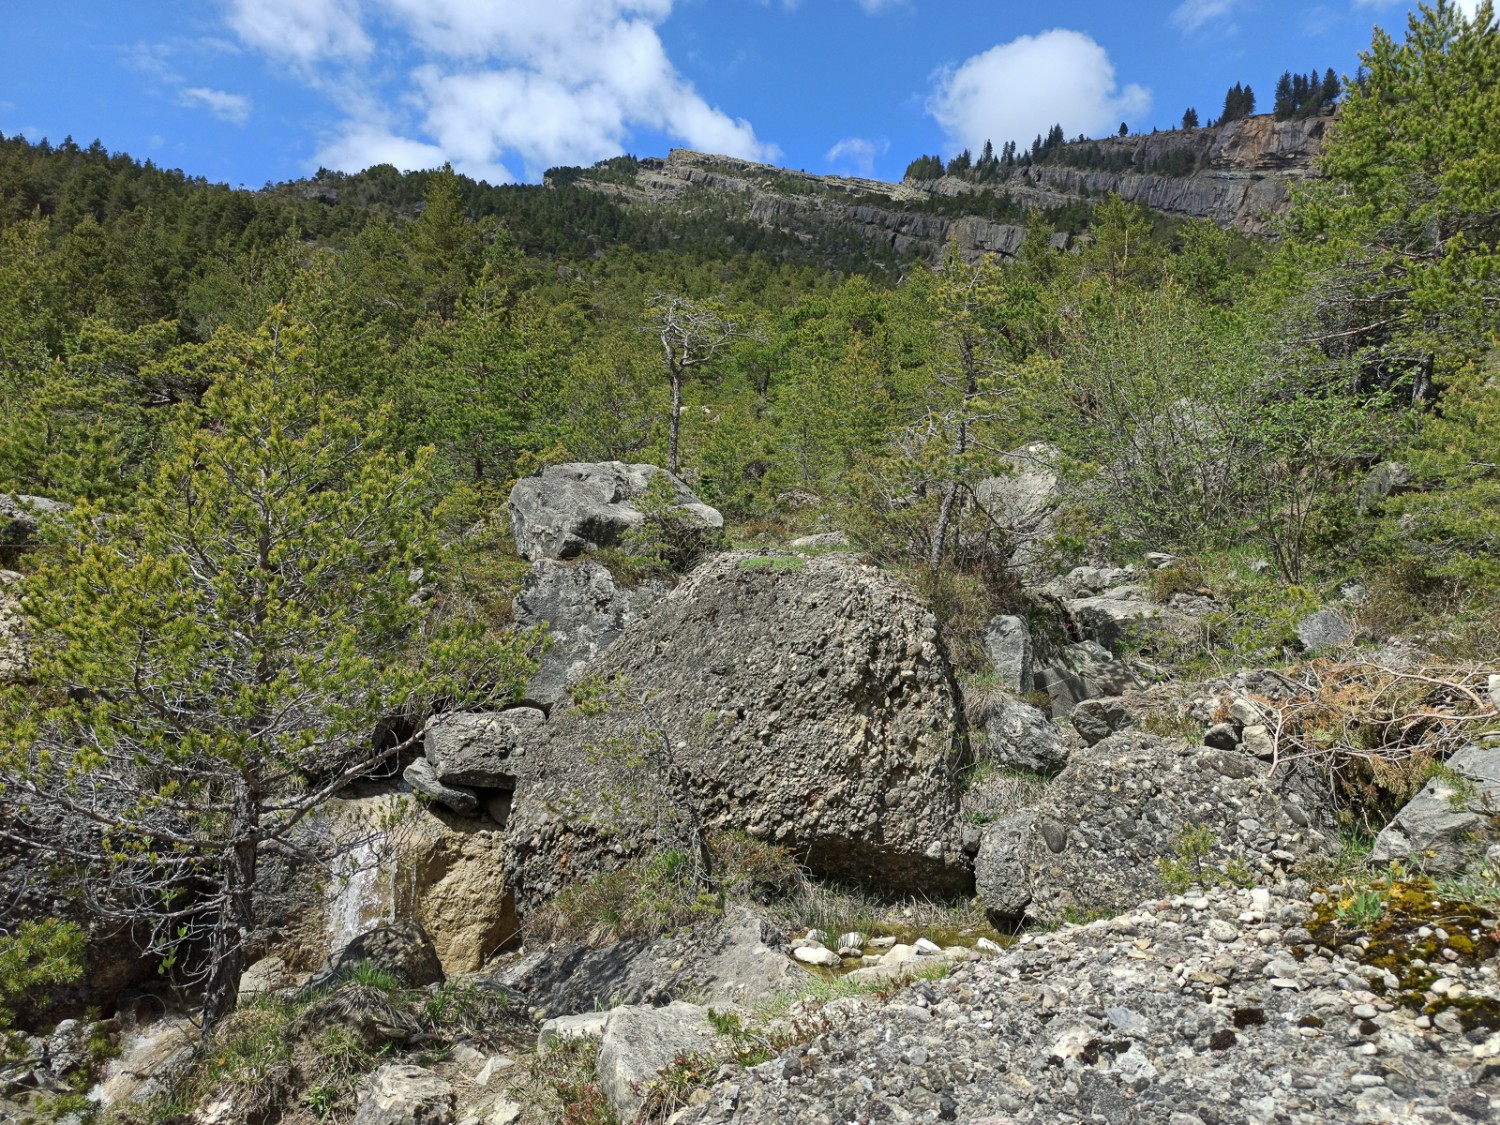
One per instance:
(777,564)
(1396,944)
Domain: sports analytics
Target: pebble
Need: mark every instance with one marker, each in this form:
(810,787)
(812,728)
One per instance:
(1143,1017)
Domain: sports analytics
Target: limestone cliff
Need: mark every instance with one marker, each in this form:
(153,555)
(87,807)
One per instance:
(1238,175)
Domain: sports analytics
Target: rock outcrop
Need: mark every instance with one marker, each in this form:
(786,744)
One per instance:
(1449,825)
(1094,839)
(638,1042)
(811,706)
(1024,500)
(584,610)
(563,510)
(734,961)
(1191,1010)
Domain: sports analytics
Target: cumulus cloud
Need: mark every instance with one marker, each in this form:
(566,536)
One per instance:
(1190,15)
(1022,88)
(566,82)
(301,31)
(856,156)
(1467,7)
(234,108)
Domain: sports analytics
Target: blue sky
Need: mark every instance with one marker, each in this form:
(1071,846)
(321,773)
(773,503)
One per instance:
(249,91)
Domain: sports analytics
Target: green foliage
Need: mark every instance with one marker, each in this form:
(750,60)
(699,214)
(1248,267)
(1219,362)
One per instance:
(1192,865)
(214,656)
(674,538)
(776,564)
(33,958)
(645,898)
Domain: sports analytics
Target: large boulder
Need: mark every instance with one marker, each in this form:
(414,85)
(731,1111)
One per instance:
(639,1042)
(1095,838)
(1024,500)
(443,871)
(584,611)
(1083,671)
(811,706)
(1449,824)
(563,510)
(482,749)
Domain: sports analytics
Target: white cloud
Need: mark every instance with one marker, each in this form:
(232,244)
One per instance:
(566,82)
(234,108)
(1022,88)
(1467,7)
(301,31)
(1190,15)
(856,156)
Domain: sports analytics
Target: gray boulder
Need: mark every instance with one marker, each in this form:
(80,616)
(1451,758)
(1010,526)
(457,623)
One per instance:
(563,510)
(1024,500)
(1114,615)
(584,611)
(402,949)
(1097,832)
(1007,643)
(1327,629)
(400,1094)
(1000,881)
(821,541)
(639,1042)
(733,960)
(811,707)
(420,776)
(1097,719)
(1020,737)
(481,749)
(1448,825)
(1086,670)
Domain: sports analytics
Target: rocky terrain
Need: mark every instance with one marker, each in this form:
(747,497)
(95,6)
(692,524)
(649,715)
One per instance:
(1240,175)
(1158,926)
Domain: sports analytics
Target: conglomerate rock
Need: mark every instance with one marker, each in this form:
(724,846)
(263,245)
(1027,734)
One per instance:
(808,703)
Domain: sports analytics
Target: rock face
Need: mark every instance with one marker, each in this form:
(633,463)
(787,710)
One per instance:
(400,1094)
(734,960)
(638,1042)
(561,511)
(812,707)
(1024,501)
(446,872)
(1093,840)
(1237,174)
(1007,643)
(584,611)
(1448,825)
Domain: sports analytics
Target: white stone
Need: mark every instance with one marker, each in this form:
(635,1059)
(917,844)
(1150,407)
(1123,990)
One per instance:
(818,955)
(898,953)
(927,948)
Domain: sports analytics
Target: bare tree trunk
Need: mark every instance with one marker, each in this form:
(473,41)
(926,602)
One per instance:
(236,912)
(676,424)
(940,532)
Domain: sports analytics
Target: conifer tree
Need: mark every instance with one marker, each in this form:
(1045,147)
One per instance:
(211,660)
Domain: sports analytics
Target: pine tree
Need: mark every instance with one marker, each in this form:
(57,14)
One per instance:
(210,661)
(1286,103)
(1190,118)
